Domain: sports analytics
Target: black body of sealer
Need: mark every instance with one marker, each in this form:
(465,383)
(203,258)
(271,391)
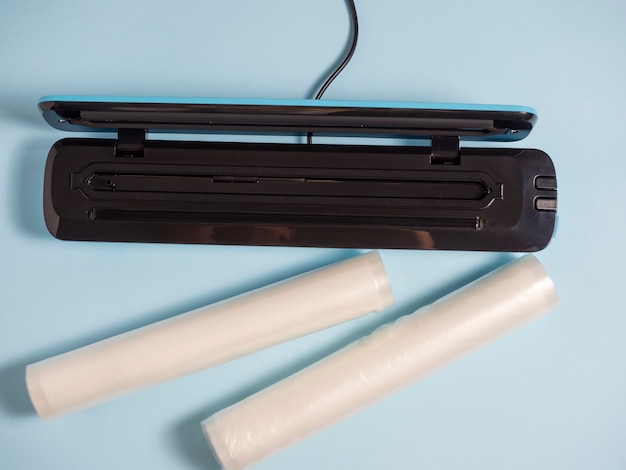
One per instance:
(440,197)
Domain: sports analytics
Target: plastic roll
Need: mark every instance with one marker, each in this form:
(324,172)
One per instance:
(209,336)
(372,368)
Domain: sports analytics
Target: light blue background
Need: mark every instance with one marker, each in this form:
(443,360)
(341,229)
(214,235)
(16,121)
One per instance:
(549,396)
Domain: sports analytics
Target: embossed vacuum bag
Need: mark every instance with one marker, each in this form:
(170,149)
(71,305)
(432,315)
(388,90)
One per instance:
(209,336)
(374,367)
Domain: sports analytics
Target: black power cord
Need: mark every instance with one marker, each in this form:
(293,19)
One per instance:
(339,69)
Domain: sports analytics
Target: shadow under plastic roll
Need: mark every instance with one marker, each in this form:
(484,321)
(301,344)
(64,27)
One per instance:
(209,336)
(374,367)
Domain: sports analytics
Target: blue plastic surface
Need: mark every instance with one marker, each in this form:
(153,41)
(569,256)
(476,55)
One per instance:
(57,122)
(286,102)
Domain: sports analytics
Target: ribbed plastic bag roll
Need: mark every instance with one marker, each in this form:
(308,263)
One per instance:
(372,368)
(209,336)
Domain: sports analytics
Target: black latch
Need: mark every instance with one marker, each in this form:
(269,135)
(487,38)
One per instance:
(130,143)
(445,150)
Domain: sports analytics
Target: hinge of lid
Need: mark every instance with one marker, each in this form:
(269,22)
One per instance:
(445,150)
(130,143)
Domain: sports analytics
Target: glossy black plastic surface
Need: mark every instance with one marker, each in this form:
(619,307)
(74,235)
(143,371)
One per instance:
(300,195)
(343,118)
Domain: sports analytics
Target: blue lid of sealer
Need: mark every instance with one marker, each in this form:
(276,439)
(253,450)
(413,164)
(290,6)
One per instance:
(502,123)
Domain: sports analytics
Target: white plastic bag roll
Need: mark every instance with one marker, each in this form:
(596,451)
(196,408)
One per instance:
(372,368)
(209,336)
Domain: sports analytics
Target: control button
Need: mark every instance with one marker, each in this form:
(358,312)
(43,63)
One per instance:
(545,204)
(546,182)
